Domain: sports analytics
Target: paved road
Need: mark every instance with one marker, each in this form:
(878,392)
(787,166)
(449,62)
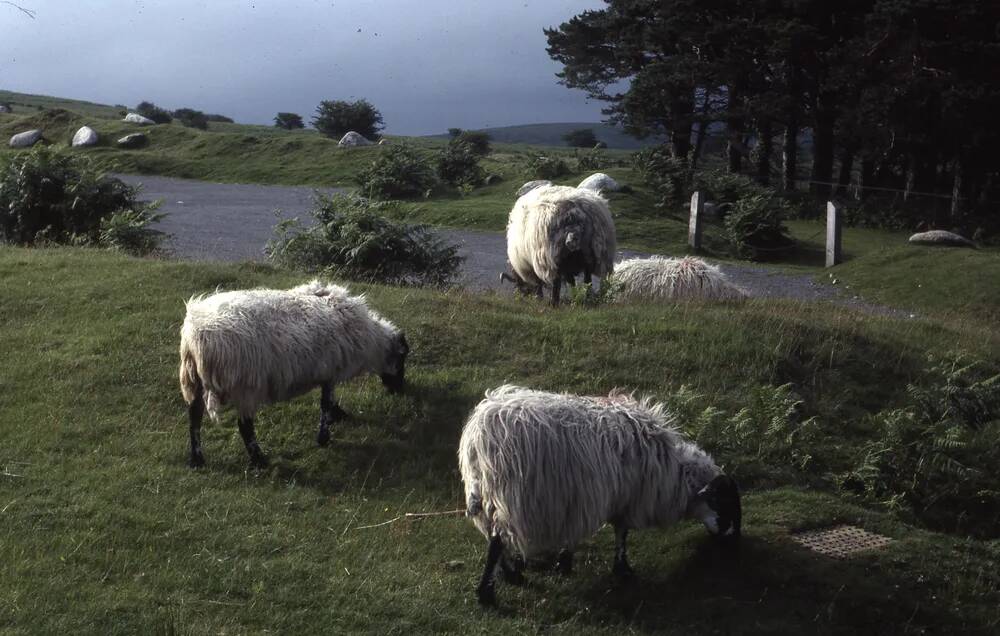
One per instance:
(232,222)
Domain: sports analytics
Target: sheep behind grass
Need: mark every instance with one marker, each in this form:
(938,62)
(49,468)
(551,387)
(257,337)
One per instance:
(544,471)
(555,233)
(659,279)
(255,347)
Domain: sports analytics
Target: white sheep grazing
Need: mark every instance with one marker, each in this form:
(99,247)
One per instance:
(555,233)
(544,471)
(659,279)
(254,347)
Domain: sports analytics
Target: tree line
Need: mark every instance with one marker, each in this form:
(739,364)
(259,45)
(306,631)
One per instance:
(892,94)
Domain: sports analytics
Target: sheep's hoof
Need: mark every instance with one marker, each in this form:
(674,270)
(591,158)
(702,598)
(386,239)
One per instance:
(323,438)
(487,596)
(196,461)
(513,577)
(259,461)
(564,562)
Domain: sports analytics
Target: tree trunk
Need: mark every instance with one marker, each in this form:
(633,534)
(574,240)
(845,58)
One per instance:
(846,168)
(789,157)
(956,191)
(734,130)
(680,126)
(765,148)
(867,179)
(701,132)
(823,150)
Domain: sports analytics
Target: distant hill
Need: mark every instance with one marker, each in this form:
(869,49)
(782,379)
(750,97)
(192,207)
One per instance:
(552,135)
(24,103)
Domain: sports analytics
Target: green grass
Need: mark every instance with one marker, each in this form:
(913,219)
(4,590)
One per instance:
(107,531)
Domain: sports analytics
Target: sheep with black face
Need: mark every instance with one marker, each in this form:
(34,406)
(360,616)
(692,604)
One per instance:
(544,471)
(249,348)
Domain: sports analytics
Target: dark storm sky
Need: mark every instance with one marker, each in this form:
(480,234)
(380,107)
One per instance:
(427,65)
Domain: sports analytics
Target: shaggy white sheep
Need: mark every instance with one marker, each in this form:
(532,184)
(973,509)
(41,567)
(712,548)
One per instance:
(254,347)
(543,471)
(555,233)
(659,279)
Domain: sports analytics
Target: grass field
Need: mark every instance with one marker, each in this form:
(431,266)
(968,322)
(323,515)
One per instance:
(107,531)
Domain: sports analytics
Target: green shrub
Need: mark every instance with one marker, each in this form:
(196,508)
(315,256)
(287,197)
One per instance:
(191,118)
(353,238)
(589,160)
(720,186)
(477,140)
(399,172)
(57,196)
(755,227)
(128,230)
(938,456)
(288,121)
(458,164)
(218,118)
(669,176)
(547,167)
(336,118)
(154,112)
(581,138)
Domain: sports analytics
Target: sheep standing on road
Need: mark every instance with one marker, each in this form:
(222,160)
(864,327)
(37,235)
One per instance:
(555,233)
(543,471)
(255,347)
(659,279)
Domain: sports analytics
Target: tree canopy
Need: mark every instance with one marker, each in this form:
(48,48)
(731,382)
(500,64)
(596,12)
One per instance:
(336,118)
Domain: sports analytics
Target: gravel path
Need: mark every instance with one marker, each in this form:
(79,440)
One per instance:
(232,222)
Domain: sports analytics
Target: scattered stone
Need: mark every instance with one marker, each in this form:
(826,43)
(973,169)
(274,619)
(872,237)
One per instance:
(531,185)
(941,238)
(352,139)
(135,140)
(4,108)
(600,182)
(86,136)
(136,118)
(454,565)
(383,141)
(26,139)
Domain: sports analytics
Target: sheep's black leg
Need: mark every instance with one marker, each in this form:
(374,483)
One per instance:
(571,280)
(250,440)
(196,410)
(621,567)
(564,562)
(330,412)
(487,585)
(587,277)
(512,568)
(540,291)
(556,287)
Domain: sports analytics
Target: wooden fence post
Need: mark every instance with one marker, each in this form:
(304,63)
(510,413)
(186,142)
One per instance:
(833,227)
(694,223)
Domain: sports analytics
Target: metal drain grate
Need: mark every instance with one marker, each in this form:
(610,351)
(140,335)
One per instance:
(841,542)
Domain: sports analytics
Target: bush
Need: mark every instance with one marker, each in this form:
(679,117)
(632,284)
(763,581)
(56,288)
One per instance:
(547,167)
(154,112)
(128,230)
(222,119)
(191,118)
(581,138)
(478,141)
(720,186)
(454,132)
(52,196)
(353,238)
(755,226)
(336,118)
(399,172)
(937,457)
(288,121)
(588,160)
(669,176)
(458,164)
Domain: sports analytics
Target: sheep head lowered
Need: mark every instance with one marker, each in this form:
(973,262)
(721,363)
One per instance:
(717,505)
(394,370)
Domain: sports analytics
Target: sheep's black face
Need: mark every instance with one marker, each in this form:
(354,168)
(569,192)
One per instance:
(718,506)
(395,367)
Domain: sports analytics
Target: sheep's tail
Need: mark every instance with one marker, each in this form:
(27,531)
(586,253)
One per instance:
(191,384)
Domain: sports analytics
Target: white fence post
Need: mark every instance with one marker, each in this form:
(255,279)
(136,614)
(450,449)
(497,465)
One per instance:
(694,223)
(834,255)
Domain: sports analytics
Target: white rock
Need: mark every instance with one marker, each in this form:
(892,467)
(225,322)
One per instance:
(132,141)
(351,139)
(942,238)
(136,118)
(531,185)
(25,139)
(4,108)
(86,136)
(600,182)
(382,141)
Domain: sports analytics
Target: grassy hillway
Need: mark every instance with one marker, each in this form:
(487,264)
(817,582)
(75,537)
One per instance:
(107,531)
